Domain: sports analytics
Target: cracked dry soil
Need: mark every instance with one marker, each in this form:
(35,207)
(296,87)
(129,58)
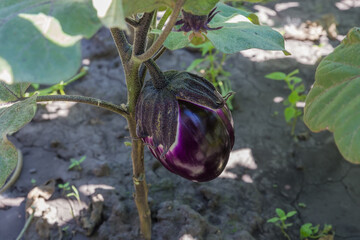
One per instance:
(267,168)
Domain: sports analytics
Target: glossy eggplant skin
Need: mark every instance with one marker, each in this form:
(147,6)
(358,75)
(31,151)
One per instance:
(203,142)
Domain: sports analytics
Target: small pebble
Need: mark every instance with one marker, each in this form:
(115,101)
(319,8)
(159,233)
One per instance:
(32,170)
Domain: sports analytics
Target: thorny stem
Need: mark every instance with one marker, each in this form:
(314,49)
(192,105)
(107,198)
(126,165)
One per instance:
(88,100)
(161,39)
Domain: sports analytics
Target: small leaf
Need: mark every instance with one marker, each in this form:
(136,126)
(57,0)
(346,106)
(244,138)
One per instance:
(289,113)
(293,97)
(333,102)
(128,144)
(300,88)
(295,80)
(280,212)
(194,64)
(273,220)
(305,230)
(276,76)
(290,214)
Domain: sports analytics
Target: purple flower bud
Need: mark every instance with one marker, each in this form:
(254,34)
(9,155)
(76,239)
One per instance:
(186,125)
(197,24)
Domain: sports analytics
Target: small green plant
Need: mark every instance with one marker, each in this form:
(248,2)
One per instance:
(74,193)
(65,187)
(302,205)
(75,164)
(33,181)
(297,88)
(210,66)
(308,231)
(280,220)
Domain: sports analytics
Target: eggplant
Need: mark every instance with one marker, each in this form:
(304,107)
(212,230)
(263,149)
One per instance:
(185,123)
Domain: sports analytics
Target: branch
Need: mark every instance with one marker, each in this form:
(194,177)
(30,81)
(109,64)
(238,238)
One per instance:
(161,39)
(122,44)
(132,22)
(88,100)
(141,32)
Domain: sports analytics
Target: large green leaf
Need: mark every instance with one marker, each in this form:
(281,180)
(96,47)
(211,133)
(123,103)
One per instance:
(334,101)
(239,32)
(110,12)
(40,39)
(14,114)
(198,7)
(237,35)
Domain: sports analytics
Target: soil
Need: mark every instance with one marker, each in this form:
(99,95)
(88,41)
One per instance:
(268,168)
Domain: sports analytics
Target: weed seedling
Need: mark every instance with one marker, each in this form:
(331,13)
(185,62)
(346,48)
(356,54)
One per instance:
(74,193)
(307,231)
(297,88)
(33,181)
(65,187)
(75,164)
(280,220)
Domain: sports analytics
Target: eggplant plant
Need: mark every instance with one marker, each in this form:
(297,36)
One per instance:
(180,116)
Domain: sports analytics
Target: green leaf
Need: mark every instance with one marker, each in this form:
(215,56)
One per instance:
(289,113)
(276,76)
(290,214)
(280,212)
(305,230)
(194,64)
(110,13)
(175,40)
(300,88)
(273,220)
(333,102)
(228,13)
(14,114)
(293,97)
(40,39)
(235,37)
(198,7)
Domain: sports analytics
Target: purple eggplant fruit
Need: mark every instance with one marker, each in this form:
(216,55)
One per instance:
(185,123)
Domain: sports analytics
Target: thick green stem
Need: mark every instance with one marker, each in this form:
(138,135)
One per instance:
(131,64)
(137,152)
(134,85)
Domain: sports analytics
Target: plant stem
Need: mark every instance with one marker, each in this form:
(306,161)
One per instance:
(131,69)
(122,44)
(159,42)
(88,100)
(27,224)
(164,18)
(141,33)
